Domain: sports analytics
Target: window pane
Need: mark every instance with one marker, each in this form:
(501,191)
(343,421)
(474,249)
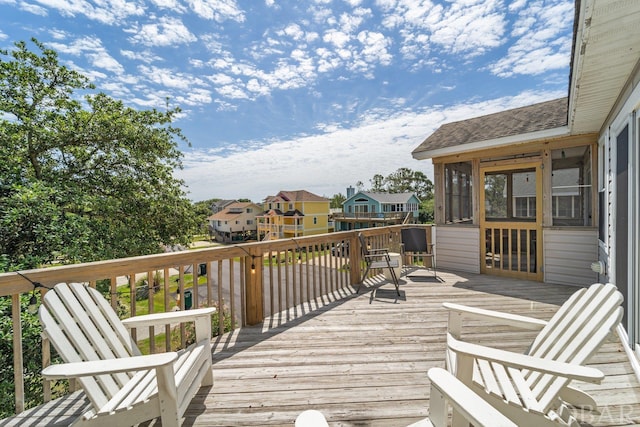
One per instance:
(571,186)
(457,186)
(495,196)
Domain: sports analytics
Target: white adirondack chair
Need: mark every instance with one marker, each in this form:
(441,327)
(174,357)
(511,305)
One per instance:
(124,387)
(532,389)
(444,388)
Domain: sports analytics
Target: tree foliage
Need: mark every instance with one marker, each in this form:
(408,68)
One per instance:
(401,181)
(82,179)
(405,180)
(337,200)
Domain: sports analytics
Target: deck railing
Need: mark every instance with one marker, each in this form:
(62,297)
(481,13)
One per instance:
(370,215)
(247,282)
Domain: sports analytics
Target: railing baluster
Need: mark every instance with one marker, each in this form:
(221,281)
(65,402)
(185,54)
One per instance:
(46,361)
(150,302)
(221,302)
(278,264)
(195,295)
(287,284)
(167,328)
(182,305)
(294,279)
(232,292)
(307,268)
(272,302)
(18,376)
(132,303)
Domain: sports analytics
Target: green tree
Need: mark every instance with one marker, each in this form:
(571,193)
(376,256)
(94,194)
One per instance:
(378,183)
(337,200)
(406,180)
(202,210)
(82,179)
(31,355)
(495,195)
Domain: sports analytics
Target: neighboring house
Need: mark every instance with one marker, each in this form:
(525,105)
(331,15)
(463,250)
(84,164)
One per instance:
(236,222)
(292,214)
(581,222)
(366,209)
(220,205)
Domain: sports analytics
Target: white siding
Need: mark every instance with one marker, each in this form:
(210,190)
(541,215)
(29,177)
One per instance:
(458,248)
(568,255)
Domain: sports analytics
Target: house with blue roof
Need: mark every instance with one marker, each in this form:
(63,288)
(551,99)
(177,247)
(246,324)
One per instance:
(366,209)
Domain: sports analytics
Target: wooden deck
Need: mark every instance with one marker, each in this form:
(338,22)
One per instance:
(362,359)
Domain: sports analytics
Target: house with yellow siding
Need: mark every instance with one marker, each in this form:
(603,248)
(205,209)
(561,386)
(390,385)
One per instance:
(291,214)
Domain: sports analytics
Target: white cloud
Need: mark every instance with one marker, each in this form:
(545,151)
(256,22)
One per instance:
(33,8)
(194,97)
(168,31)
(106,62)
(174,5)
(516,5)
(335,37)
(470,27)
(326,164)
(544,41)
(170,78)
(375,47)
(218,10)
(107,12)
(293,31)
(145,56)
(93,50)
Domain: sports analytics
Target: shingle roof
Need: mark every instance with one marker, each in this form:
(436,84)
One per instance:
(533,118)
(381,197)
(294,212)
(301,196)
(388,197)
(228,214)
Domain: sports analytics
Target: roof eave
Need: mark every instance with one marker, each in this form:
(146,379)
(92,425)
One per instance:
(492,143)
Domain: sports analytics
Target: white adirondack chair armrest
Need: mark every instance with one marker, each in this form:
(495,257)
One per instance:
(523,361)
(509,319)
(108,366)
(156,319)
(471,406)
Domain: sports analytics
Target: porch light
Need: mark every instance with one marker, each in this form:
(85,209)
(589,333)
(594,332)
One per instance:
(33,301)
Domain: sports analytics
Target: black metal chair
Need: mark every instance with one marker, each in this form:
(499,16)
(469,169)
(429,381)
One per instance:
(378,258)
(414,241)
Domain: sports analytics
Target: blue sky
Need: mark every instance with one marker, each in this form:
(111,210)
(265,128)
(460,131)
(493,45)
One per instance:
(306,94)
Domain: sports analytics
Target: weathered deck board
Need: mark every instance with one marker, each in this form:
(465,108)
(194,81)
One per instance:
(362,360)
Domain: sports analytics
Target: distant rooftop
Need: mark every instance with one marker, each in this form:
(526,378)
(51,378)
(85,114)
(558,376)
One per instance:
(296,196)
(387,197)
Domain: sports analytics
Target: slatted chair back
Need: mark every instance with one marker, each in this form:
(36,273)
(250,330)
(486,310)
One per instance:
(363,246)
(82,327)
(573,335)
(415,240)
(378,259)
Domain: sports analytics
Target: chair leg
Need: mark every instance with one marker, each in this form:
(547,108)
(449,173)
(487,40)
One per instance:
(394,277)
(362,279)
